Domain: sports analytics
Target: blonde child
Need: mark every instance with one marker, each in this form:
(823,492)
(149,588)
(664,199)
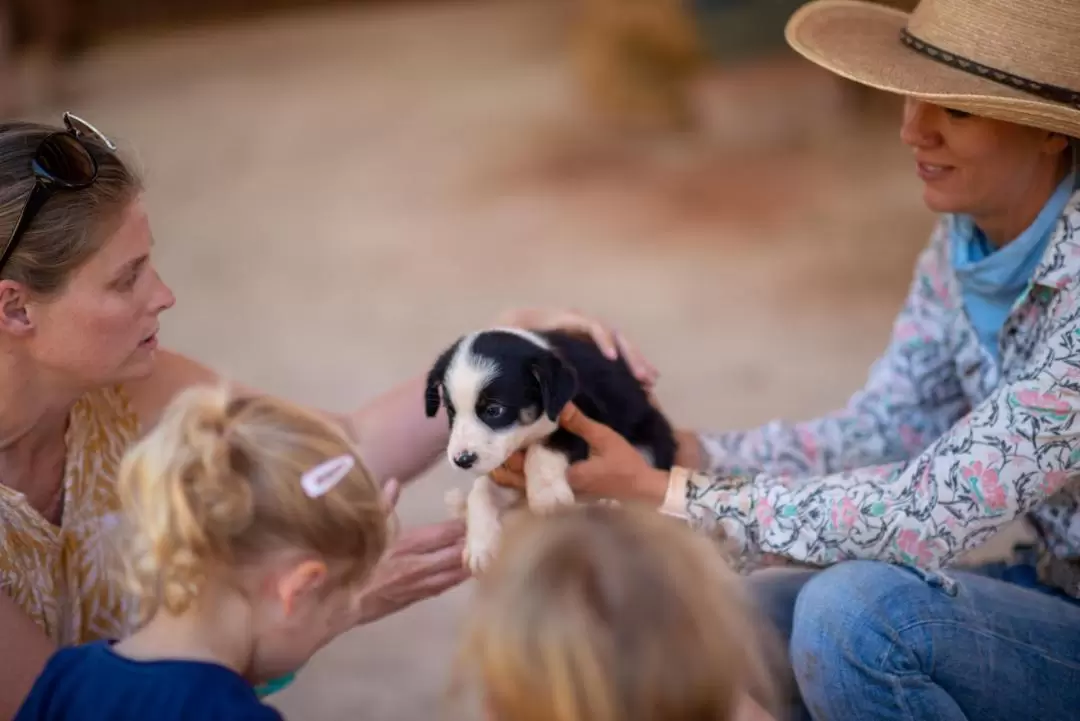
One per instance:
(604,613)
(252,526)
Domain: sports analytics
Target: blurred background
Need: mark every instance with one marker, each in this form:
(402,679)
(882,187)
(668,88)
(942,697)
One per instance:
(338,189)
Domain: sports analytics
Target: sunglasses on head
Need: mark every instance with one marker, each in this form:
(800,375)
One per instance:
(61,162)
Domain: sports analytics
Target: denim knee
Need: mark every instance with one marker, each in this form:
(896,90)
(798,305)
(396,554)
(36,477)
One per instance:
(849,618)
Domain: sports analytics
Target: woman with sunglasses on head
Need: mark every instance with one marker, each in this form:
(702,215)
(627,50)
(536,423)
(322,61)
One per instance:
(83,378)
(969,420)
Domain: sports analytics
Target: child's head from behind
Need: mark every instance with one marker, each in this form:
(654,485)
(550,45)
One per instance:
(599,613)
(221,503)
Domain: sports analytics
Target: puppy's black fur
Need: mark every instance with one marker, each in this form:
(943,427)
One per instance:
(532,380)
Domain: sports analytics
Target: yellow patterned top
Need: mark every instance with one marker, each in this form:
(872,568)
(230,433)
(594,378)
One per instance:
(63,577)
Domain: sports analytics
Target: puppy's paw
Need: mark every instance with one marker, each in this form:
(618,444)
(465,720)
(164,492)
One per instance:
(481,542)
(546,497)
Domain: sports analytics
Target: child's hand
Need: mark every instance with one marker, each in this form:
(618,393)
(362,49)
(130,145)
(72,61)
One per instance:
(420,564)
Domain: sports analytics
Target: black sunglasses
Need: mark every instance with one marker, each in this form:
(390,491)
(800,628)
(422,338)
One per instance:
(61,162)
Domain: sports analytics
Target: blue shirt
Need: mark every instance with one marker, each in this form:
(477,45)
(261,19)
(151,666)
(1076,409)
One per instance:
(93,683)
(993,279)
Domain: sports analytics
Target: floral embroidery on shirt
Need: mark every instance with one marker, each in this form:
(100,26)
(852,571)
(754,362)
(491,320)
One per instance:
(938,450)
(64,578)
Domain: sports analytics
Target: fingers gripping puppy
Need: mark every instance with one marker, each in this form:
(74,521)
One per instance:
(503,390)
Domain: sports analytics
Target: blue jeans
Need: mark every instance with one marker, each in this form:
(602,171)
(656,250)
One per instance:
(869,640)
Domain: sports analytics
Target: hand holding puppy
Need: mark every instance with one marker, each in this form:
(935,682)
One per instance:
(614,468)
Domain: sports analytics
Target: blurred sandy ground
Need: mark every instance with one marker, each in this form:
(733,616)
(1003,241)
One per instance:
(336,194)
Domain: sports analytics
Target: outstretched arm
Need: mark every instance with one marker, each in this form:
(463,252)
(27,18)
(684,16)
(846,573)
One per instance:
(395,437)
(1013,452)
(911,397)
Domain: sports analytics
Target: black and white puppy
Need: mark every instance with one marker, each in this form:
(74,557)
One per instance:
(503,390)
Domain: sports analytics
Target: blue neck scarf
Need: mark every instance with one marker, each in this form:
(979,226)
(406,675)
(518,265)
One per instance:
(992,279)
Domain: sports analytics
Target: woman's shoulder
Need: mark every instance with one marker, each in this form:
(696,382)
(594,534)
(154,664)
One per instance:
(173,372)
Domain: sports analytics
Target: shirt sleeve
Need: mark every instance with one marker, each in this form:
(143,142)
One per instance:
(1008,455)
(911,396)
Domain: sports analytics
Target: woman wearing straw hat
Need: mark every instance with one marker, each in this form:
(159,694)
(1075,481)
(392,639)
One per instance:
(969,420)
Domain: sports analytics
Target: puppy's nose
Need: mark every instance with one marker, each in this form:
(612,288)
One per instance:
(465,459)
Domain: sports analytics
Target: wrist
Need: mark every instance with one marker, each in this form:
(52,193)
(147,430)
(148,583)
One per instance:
(366,609)
(673,502)
(653,487)
(689,452)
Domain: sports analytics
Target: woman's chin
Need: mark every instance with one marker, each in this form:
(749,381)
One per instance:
(938,202)
(138,367)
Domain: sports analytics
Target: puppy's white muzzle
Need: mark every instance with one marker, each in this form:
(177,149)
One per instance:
(477,449)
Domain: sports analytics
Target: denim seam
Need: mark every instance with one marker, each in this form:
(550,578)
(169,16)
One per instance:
(896,680)
(974,630)
(901,698)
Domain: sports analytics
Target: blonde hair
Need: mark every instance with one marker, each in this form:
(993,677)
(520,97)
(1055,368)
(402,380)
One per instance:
(217,482)
(600,613)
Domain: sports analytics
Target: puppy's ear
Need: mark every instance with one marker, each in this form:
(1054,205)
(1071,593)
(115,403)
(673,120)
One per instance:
(558,383)
(435,377)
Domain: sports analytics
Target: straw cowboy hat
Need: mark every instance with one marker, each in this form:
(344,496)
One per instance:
(1013,60)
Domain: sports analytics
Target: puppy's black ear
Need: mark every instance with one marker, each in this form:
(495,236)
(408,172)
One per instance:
(558,383)
(435,377)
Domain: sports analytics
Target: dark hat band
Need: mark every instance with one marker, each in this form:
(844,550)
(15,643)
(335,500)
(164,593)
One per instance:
(1045,91)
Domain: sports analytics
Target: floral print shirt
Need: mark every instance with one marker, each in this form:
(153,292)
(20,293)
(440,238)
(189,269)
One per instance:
(940,448)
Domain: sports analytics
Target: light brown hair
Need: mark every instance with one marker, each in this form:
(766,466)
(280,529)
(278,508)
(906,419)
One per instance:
(217,484)
(72,225)
(602,613)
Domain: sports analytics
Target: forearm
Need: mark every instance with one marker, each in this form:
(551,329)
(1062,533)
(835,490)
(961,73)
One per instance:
(1000,462)
(878,426)
(23,655)
(1015,450)
(396,438)
(911,396)
(870,513)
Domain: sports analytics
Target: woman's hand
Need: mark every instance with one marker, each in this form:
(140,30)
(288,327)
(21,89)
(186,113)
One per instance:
(611,342)
(614,468)
(421,563)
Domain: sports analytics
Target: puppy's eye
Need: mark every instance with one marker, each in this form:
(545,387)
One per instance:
(494,411)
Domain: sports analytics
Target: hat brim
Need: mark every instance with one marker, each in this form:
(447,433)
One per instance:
(860,41)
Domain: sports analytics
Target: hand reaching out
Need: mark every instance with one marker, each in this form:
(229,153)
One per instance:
(421,563)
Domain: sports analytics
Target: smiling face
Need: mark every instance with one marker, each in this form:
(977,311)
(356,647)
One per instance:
(999,173)
(502,390)
(101,327)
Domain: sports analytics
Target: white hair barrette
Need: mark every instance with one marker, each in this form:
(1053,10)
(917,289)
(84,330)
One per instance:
(326,475)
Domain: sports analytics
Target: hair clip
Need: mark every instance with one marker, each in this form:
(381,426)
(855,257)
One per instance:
(326,475)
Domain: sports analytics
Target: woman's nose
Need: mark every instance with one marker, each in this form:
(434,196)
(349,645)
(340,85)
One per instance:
(919,128)
(163,297)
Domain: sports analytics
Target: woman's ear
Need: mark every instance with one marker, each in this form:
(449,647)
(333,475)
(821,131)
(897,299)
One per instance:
(1056,143)
(14,317)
